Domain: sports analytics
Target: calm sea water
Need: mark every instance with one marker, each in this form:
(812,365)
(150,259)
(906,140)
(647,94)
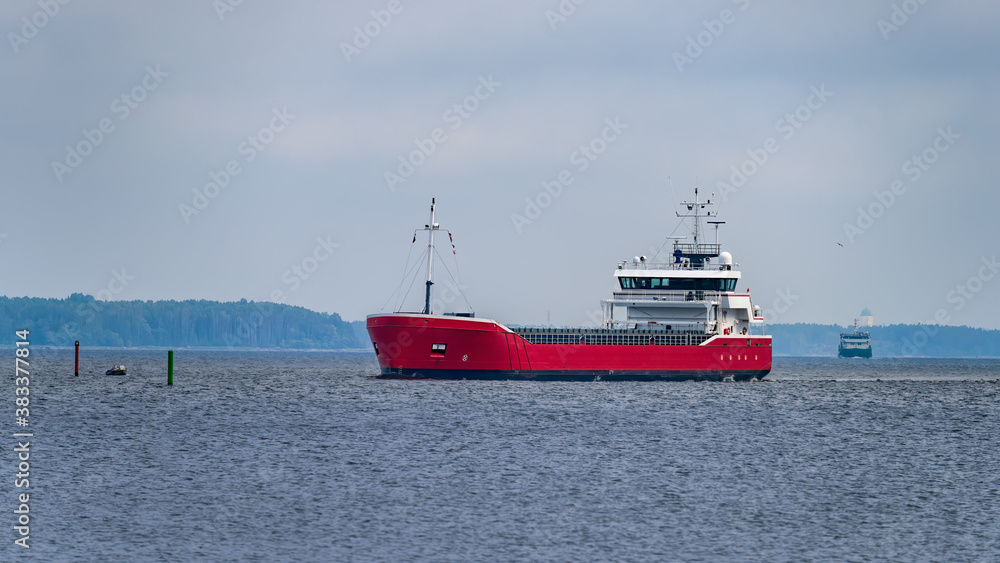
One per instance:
(263,456)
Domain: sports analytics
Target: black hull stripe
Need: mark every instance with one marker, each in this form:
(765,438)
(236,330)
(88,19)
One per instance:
(497,375)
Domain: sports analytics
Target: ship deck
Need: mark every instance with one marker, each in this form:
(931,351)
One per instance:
(611,336)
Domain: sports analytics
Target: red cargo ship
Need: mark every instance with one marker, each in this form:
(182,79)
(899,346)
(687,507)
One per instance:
(678,320)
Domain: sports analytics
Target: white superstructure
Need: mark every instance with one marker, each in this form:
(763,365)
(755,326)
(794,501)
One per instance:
(695,291)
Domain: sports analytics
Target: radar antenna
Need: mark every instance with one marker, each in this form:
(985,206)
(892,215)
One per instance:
(698,252)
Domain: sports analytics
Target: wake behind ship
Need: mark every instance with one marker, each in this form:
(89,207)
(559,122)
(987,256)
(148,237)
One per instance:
(681,319)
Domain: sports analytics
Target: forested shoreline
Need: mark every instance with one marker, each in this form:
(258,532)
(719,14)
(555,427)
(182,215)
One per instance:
(899,340)
(191,323)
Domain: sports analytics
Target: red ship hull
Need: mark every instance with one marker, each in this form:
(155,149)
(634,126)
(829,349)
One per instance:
(410,346)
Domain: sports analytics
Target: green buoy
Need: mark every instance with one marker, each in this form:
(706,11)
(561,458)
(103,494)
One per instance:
(170,367)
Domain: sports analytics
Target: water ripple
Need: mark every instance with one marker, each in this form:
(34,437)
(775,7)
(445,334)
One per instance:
(256,456)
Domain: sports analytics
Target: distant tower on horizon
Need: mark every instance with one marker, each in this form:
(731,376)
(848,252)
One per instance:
(866,318)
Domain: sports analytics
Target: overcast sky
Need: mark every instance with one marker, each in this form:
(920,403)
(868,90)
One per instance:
(115,113)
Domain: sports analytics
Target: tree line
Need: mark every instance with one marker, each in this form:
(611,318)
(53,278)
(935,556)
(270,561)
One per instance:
(191,323)
(899,340)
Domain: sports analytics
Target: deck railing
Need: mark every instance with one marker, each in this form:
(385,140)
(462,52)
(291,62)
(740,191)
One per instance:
(672,264)
(657,295)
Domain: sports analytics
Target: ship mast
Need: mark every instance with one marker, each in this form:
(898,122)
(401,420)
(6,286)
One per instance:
(430,228)
(699,252)
(696,206)
(697,219)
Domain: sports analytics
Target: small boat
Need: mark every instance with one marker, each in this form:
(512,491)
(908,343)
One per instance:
(116,370)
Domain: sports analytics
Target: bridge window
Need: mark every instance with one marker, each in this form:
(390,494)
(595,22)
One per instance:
(679,284)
